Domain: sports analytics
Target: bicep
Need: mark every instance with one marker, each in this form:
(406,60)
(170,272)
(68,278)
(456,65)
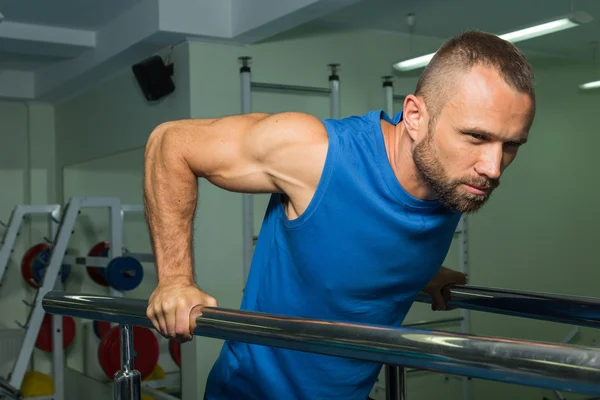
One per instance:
(255,153)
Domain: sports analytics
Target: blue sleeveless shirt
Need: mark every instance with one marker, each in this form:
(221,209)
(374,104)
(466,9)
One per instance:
(361,252)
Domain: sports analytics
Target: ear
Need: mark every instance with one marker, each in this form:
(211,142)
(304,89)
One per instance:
(415,117)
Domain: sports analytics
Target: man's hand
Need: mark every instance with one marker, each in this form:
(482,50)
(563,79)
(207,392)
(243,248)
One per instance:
(439,287)
(169,308)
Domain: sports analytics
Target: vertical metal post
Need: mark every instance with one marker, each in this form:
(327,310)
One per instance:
(248,200)
(395,382)
(58,355)
(51,273)
(334,85)
(463,260)
(11,392)
(388,95)
(127,381)
(115,218)
(9,238)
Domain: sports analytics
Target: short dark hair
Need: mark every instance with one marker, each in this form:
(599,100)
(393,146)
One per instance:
(459,54)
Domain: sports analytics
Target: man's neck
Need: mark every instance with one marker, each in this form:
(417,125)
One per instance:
(398,144)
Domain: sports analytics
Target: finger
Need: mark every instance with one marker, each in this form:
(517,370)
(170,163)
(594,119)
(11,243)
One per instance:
(152,317)
(160,319)
(194,313)
(182,321)
(438,301)
(211,302)
(169,309)
(446,294)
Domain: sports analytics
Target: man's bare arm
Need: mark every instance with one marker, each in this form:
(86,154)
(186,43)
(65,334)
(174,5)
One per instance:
(254,153)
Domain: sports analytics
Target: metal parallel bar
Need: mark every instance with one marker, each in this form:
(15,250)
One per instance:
(433,322)
(103,261)
(573,310)
(546,365)
(289,88)
(570,336)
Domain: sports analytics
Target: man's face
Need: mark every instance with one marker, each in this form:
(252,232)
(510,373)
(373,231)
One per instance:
(477,135)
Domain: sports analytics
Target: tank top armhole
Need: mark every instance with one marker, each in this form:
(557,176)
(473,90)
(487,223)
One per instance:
(328,167)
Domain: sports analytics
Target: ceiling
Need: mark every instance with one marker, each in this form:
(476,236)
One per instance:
(76,14)
(52,49)
(444,18)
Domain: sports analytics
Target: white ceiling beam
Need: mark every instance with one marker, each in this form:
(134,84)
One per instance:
(120,39)
(44,40)
(146,28)
(47,34)
(19,85)
(255,20)
(132,36)
(200,18)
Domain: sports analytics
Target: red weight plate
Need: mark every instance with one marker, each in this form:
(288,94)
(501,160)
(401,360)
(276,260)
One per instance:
(145,348)
(44,339)
(27,263)
(101,328)
(175,351)
(96,272)
(104,351)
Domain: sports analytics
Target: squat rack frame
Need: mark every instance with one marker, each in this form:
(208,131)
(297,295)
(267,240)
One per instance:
(62,228)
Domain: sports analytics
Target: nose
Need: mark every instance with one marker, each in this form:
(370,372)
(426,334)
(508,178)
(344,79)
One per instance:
(490,163)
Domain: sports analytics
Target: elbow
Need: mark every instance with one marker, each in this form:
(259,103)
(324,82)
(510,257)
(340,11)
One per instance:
(158,139)
(158,134)
(166,150)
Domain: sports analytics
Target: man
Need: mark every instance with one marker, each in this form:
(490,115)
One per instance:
(362,214)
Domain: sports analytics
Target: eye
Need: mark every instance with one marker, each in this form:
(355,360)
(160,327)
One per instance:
(477,136)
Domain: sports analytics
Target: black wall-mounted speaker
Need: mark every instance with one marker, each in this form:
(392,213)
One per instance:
(154,78)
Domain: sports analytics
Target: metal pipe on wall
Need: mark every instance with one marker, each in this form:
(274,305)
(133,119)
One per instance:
(334,86)
(388,95)
(248,199)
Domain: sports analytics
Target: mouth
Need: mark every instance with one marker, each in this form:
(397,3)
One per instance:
(478,190)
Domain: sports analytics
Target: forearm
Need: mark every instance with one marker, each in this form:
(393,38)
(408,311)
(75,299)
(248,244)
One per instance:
(170,195)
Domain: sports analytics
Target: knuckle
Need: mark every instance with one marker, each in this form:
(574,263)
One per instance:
(182,301)
(167,305)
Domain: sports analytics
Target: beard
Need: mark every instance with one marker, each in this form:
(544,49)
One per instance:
(449,192)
